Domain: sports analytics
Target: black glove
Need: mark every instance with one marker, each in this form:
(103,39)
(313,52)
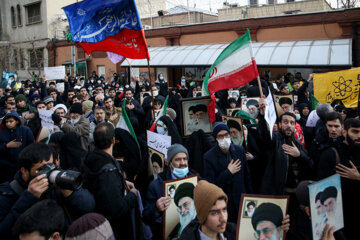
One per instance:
(56,118)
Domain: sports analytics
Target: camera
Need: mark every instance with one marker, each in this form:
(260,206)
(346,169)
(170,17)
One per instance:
(70,180)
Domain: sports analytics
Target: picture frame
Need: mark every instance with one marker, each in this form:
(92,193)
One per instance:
(225,118)
(234,94)
(326,192)
(230,111)
(194,115)
(171,217)
(143,95)
(245,229)
(250,106)
(155,157)
(283,102)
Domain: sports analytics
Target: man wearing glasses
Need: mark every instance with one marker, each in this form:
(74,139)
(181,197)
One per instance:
(226,166)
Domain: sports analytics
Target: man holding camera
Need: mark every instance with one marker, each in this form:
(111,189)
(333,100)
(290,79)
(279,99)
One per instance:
(29,187)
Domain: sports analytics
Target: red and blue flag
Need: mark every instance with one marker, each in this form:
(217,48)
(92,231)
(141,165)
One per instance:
(108,25)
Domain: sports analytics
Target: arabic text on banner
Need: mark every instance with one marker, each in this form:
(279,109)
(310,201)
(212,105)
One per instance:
(158,142)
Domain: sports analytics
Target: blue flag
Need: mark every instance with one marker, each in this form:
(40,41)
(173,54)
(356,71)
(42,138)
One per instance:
(92,21)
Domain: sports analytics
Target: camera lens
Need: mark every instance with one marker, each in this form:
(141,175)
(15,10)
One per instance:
(70,180)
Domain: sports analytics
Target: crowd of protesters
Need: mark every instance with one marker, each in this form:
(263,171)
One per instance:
(114,166)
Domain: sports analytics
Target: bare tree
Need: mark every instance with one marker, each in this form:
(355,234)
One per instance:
(349,3)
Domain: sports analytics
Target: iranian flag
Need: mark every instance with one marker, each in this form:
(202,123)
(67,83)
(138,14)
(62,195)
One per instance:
(124,122)
(234,67)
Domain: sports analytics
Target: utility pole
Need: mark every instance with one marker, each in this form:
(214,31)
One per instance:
(73,59)
(188,11)
(151,20)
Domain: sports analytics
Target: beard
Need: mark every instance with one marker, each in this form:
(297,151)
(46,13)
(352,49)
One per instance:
(74,120)
(254,113)
(237,140)
(351,142)
(185,220)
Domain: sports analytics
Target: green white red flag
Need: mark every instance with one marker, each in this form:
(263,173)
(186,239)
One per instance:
(124,122)
(234,67)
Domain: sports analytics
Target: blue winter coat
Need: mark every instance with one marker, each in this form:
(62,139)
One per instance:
(216,171)
(9,156)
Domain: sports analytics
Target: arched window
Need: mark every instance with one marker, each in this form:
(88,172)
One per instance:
(13,17)
(19,17)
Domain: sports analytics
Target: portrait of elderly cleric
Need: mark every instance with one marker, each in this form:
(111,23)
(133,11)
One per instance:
(195,116)
(263,217)
(284,103)
(326,205)
(182,209)
(251,106)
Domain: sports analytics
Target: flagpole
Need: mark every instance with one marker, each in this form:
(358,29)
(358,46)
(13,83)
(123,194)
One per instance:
(243,133)
(151,84)
(260,87)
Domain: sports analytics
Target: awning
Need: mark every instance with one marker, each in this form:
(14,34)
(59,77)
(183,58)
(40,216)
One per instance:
(317,53)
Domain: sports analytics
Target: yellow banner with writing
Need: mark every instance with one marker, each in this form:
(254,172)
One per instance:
(343,85)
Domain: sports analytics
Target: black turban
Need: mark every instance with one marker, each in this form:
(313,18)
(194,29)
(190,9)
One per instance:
(329,192)
(251,102)
(156,158)
(184,190)
(233,124)
(267,212)
(285,100)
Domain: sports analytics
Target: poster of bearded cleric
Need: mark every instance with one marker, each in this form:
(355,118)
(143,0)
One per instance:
(283,103)
(194,115)
(250,106)
(326,205)
(182,209)
(261,217)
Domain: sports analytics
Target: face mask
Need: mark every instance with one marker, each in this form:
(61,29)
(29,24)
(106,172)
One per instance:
(90,88)
(243,97)
(224,143)
(27,92)
(180,172)
(161,130)
(91,81)
(297,116)
(155,93)
(98,82)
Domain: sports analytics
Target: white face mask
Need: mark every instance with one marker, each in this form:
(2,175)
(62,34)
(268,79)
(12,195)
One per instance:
(224,143)
(155,93)
(297,116)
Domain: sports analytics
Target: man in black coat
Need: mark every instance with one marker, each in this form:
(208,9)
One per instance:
(105,180)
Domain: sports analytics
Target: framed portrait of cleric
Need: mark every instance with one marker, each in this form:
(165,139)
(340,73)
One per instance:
(326,205)
(225,119)
(261,215)
(283,103)
(232,111)
(156,162)
(250,106)
(197,94)
(143,95)
(194,115)
(182,209)
(234,94)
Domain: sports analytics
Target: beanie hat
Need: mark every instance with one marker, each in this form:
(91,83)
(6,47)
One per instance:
(48,99)
(267,212)
(175,149)
(218,126)
(90,226)
(60,106)
(88,105)
(20,97)
(302,193)
(76,108)
(34,96)
(184,190)
(205,196)
(171,112)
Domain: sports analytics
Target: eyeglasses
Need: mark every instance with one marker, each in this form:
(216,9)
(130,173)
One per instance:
(264,231)
(343,111)
(222,136)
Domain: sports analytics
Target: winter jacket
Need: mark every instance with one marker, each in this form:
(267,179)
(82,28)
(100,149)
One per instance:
(108,186)
(82,130)
(216,171)
(14,202)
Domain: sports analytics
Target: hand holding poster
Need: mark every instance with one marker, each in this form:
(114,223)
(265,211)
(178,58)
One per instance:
(53,73)
(46,120)
(158,142)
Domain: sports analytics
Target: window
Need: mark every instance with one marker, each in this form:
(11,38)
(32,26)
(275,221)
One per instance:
(272,2)
(33,13)
(15,57)
(22,65)
(36,57)
(18,8)
(253,3)
(13,17)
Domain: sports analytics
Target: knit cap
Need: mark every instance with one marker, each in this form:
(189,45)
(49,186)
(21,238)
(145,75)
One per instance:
(48,99)
(20,97)
(90,226)
(175,149)
(76,108)
(88,105)
(205,196)
(218,126)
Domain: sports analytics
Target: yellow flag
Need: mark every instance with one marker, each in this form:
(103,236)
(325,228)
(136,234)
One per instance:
(343,85)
